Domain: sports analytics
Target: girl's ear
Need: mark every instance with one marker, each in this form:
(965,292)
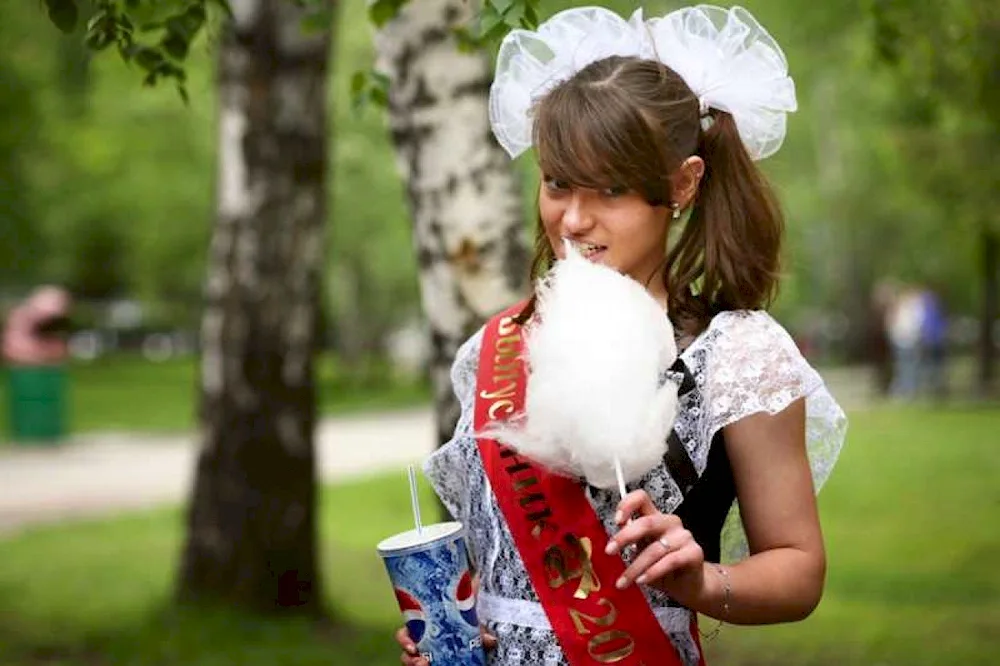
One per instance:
(685,181)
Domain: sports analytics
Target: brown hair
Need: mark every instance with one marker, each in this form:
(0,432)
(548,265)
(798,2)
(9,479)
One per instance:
(628,122)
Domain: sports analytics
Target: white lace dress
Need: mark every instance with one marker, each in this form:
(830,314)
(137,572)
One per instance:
(743,363)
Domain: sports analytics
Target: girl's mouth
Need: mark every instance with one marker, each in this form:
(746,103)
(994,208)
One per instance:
(590,251)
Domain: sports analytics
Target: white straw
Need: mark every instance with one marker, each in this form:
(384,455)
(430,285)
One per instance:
(414,501)
(621,483)
(621,477)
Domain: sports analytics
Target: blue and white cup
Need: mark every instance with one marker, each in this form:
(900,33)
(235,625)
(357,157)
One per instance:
(431,576)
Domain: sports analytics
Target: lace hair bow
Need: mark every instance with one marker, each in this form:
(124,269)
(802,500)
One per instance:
(727,59)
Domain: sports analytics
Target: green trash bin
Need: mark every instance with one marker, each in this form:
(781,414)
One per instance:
(37,403)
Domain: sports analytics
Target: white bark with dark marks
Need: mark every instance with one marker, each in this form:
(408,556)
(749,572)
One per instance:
(252,520)
(463,191)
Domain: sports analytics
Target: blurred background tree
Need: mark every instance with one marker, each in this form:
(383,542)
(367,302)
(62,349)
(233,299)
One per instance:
(252,515)
(252,527)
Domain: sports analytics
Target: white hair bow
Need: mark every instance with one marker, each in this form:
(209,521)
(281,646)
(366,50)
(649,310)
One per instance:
(727,59)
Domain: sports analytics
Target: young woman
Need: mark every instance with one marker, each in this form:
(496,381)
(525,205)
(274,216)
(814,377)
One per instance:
(638,125)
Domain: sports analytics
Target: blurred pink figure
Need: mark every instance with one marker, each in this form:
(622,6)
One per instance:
(33,331)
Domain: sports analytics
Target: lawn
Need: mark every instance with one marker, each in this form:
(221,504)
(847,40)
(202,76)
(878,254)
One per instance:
(910,517)
(126,392)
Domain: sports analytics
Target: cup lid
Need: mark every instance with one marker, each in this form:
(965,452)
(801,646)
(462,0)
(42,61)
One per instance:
(428,534)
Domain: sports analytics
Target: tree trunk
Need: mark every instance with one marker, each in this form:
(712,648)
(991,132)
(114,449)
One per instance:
(990,241)
(463,192)
(252,520)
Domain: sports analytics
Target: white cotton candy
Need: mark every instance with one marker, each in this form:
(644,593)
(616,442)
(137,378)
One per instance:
(595,353)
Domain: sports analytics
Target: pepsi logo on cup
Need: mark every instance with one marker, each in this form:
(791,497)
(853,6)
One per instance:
(413,614)
(465,599)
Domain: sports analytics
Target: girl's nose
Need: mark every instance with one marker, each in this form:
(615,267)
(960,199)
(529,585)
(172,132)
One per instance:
(576,218)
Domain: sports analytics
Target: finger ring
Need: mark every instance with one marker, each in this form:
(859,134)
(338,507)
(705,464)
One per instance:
(663,542)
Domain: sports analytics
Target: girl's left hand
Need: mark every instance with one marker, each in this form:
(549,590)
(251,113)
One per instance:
(669,557)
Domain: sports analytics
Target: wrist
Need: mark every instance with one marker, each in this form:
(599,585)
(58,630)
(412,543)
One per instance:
(720,591)
(715,597)
(707,597)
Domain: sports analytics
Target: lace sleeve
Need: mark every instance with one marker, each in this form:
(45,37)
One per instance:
(448,468)
(756,367)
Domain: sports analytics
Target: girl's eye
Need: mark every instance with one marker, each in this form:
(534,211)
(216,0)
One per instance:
(615,191)
(556,185)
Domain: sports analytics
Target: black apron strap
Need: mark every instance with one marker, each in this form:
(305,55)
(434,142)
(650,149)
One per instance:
(677,460)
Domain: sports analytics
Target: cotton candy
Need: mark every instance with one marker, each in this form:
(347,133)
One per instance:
(595,351)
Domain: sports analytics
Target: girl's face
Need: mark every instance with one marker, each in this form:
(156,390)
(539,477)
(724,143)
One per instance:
(614,227)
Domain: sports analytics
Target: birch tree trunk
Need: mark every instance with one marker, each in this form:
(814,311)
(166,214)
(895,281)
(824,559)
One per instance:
(251,537)
(463,192)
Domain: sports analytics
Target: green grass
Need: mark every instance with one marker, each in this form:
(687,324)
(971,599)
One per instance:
(910,517)
(97,593)
(127,392)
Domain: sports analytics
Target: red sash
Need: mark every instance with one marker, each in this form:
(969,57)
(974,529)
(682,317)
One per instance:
(557,533)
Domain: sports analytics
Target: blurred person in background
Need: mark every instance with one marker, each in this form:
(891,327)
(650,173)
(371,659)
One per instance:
(36,330)
(878,343)
(904,325)
(933,344)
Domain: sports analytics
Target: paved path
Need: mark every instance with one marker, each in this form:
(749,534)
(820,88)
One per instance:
(94,475)
(100,474)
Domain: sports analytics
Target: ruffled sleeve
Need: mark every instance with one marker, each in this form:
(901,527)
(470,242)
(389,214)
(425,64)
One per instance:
(753,366)
(449,468)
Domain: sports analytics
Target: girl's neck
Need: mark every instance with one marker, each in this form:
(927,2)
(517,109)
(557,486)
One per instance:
(657,287)
(660,296)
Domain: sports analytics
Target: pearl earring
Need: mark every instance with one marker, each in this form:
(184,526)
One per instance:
(677,210)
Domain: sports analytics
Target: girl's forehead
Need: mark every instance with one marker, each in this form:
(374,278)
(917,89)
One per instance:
(580,163)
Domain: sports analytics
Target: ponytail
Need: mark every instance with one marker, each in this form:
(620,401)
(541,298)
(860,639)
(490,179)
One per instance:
(727,257)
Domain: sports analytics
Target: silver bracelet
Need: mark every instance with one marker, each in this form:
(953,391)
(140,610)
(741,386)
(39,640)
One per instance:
(727,594)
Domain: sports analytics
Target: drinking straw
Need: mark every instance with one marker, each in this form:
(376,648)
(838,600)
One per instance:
(621,477)
(621,482)
(413,499)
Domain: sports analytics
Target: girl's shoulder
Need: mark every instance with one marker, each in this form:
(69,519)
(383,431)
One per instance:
(744,333)
(746,357)
(747,321)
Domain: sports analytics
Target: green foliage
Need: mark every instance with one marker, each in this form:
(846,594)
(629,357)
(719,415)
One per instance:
(63,14)
(495,20)
(940,607)
(155,36)
(20,240)
(876,181)
(369,87)
(103,157)
(381,12)
(945,56)
(178,23)
(498,17)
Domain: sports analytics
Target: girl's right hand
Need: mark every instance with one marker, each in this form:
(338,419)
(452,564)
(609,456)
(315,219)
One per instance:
(411,657)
